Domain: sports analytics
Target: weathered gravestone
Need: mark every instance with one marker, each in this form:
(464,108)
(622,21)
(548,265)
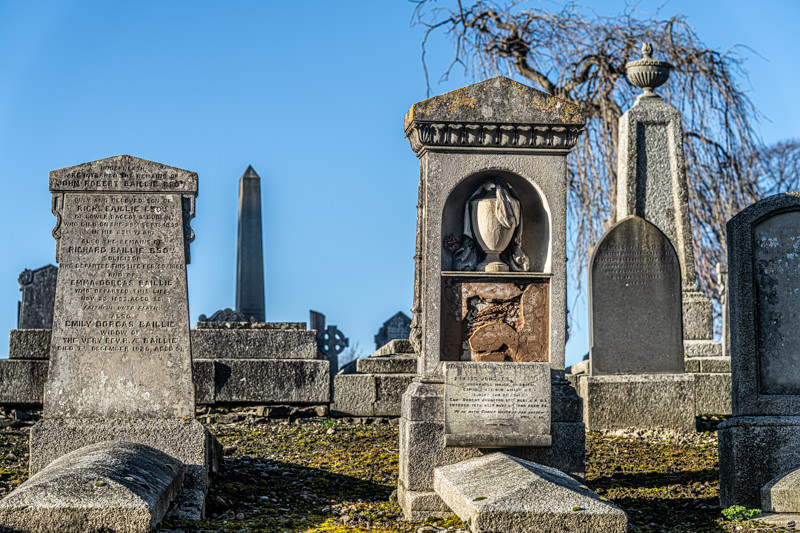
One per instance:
(636,374)
(120,362)
(635,302)
(35,309)
(489,289)
(762,439)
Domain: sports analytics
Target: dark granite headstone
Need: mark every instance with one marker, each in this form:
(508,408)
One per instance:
(249,255)
(635,302)
(38,292)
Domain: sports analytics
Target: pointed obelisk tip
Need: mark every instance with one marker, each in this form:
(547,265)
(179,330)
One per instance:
(250,173)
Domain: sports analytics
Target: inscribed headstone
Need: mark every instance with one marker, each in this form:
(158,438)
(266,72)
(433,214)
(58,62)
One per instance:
(635,302)
(120,341)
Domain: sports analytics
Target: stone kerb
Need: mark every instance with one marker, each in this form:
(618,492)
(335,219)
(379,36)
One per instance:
(764,273)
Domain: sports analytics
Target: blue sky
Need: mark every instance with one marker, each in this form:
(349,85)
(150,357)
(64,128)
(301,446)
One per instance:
(312,94)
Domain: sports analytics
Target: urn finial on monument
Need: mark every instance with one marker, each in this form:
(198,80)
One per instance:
(647,73)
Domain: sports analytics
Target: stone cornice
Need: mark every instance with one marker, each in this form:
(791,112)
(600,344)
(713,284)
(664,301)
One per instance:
(497,135)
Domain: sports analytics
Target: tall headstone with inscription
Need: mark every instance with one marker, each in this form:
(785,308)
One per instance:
(490,286)
(120,360)
(762,439)
(636,374)
(651,183)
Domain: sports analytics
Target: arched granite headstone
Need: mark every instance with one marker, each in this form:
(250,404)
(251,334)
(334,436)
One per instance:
(635,302)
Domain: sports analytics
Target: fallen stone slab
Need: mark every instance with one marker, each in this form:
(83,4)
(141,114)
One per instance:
(782,493)
(109,486)
(498,493)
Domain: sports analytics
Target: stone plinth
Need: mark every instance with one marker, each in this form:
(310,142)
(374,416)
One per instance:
(643,401)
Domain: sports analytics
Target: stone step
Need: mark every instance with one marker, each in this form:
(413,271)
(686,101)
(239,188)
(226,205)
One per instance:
(387,364)
(395,346)
(710,365)
(702,348)
(498,493)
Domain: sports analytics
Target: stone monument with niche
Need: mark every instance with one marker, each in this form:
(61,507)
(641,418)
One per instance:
(636,374)
(120,361)
(761,440)
(651,183)
(489,313)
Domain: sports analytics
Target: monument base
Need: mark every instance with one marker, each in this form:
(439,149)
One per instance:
(639,401)
(698,316)
(752,451)
(422,444)
(712,384)
(188,441)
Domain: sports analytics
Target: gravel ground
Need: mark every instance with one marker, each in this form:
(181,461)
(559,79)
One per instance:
(327,475)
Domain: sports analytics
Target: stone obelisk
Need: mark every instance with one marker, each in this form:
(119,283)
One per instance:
(249,254)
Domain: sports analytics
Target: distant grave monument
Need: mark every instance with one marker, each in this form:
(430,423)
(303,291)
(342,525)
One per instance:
(38,287)
(651,183)
(120,361)
(760,442)
(490,294)
(249,253)
(636,374)
(397,327)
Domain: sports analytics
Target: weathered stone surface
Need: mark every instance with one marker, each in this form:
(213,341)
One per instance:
(702,348)
(273,381)
(387,364)
(121,300)
(635,302)
(499,100)
(389,389)
(396,346)
(698,316)
(397,327)
(354,394)
(498,493)
(752,451)
(38,293)
(108,486)
(249,254)
(649,401)
(497,405)
(782,493)
(29,344)
(712,394)
(22,381)
(711,365)
(254,344)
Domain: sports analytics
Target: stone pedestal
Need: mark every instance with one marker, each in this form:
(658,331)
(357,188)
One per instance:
(640,401)
(422,439)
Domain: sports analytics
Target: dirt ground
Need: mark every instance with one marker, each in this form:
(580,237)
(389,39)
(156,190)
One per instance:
(338,475)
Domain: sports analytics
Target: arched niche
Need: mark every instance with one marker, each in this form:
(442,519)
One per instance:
(535,216)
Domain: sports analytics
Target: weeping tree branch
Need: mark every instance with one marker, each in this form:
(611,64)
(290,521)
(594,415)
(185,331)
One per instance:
(578,55)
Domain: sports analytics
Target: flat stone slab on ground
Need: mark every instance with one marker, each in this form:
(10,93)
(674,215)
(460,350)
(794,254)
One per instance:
(387,364)
(108,486)
(498,493)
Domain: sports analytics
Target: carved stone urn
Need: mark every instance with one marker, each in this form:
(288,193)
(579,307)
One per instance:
(491,235)
(647,73)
